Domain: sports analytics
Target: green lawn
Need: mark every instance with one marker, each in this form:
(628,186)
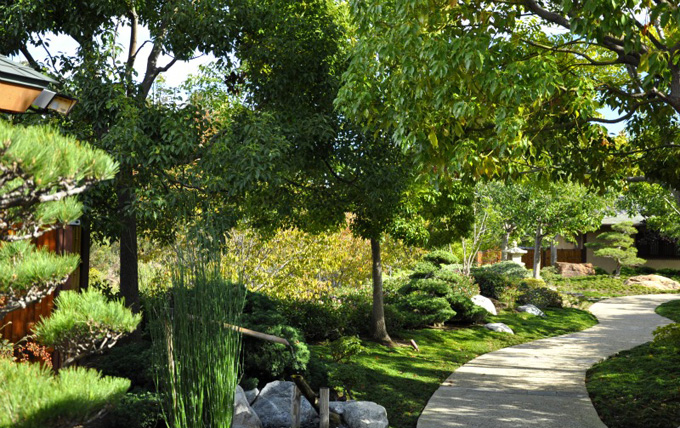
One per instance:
(586,289)
(402,379)
(639,388)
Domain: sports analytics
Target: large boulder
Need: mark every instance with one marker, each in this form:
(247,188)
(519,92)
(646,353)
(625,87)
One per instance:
(362,414)
(569,270)
(531,309)
(252,395)
(274,407)
(244,415)
(499,327)
(484,302)
(653,281)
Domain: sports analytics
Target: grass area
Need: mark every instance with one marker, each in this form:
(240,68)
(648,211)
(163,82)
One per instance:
(402,379)
(640,388)
(670,310)
(599,287)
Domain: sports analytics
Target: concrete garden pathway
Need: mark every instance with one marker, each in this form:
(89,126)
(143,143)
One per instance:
(542,383)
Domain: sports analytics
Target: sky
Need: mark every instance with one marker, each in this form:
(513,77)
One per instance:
(181,70)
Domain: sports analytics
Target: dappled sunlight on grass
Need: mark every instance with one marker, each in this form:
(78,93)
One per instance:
(402,379)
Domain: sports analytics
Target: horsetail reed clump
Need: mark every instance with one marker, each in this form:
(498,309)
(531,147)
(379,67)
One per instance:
(196,345)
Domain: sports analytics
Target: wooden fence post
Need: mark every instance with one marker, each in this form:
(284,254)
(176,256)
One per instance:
(324,411)
(297,413)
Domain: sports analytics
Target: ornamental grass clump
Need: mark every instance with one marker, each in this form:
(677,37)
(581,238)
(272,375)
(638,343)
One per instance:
(33,397)
(84,324)
(196,343)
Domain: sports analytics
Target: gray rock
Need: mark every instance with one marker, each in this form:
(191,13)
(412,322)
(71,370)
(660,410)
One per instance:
(337,406)
(364,414)
(531,309)
(244,415)
(252,395)
(485,303)
(499,327)
(274,406)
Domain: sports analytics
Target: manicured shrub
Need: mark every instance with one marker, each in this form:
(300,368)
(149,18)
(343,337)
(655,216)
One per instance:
(491,284)
(458,283)
(129,360)
(342,350)
(533,291)
(267,360)
(466,311)
(135,410)
(549,273)
(85,323)
(32,397)
(426,309)
(424,269)
(510,269)
(441,257)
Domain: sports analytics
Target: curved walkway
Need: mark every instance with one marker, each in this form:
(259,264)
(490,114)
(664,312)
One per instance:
(542,383)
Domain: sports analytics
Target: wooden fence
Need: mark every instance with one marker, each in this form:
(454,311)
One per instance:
(20,322)
(568,256)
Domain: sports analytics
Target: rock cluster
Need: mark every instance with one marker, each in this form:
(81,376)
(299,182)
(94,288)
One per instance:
(272,408)
(653,281)
(569,270)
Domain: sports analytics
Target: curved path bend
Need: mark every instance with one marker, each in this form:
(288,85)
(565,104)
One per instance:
(542,383)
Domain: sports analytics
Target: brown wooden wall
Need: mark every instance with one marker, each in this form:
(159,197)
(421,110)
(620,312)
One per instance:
(19,322)
(568,256)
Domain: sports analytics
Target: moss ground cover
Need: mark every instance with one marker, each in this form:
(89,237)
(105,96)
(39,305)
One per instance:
(640,387)
(600,286)
(402,379)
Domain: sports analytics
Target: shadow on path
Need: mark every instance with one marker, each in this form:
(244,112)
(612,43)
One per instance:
(542,383)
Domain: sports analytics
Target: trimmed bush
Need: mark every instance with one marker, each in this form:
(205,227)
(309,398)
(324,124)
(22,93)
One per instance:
(136,410)
(85,323)
(265,360)
(510,269)
(533,291)
(32,397)
(491,284)
(424,269)
(426,309)
(458,283)
(441,257)
(466,311)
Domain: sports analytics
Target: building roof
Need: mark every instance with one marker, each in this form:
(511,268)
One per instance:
(621,217)
(12,72)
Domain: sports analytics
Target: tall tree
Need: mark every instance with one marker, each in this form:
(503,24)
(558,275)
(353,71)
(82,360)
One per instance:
(492,88)
(333,168)
(115,111)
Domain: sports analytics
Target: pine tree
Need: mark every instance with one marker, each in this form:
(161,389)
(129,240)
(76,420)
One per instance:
(41,172)
(619,246)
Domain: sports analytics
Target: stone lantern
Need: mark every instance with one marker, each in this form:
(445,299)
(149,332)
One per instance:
(515,254)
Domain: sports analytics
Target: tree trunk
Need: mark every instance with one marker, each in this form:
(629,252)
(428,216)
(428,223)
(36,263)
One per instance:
(504,246)
(553,251)
(85,243)
(129,280)
(537,253)
(617,270)
(378,327)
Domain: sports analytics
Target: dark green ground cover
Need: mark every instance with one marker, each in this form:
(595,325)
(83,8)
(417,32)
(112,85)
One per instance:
(402,379)
(640,388)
